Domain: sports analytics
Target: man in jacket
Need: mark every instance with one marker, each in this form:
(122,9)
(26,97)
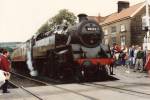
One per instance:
(139,60)
(5,66)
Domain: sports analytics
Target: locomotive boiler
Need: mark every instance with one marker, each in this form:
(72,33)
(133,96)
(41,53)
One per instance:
(68,51)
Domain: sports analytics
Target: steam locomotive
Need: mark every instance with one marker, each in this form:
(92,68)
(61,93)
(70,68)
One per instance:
(68,51)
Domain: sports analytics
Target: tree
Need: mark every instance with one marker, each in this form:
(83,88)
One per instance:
(44,28)
(64,14)
(58,19)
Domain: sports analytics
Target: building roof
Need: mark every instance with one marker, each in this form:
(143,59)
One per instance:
(98,19)
(124,14)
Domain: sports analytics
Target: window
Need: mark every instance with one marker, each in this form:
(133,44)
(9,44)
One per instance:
(105,32)
(106,41)
(113,29)
(122,28)
(123,40)
(113,40)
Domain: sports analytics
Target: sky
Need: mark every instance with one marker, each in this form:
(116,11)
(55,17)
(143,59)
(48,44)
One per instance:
(20,19)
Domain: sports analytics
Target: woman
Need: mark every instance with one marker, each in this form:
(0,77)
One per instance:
(5,66)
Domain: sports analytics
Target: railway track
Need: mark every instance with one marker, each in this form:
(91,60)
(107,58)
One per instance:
(96,85)
(23,88)
(91,84)
(21,80)
(116,88)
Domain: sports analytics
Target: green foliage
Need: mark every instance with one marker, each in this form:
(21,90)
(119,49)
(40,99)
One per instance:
(63,14)
(44,28)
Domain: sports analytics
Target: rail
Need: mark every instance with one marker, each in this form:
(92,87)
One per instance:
(23,88)
(30,79)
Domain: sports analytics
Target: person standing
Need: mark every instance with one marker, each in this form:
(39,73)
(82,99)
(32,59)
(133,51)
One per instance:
(139,60)
(123,55)
(131,56)
(145,56)
(135,54)
(147,64)
(115,52)
(5,66)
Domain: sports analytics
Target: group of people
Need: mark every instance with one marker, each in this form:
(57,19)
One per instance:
(135,57)
(5,66)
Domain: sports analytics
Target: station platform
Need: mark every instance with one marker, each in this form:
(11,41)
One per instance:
(129,86)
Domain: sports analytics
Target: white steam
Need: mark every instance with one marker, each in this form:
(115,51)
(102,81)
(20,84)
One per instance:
(29,64)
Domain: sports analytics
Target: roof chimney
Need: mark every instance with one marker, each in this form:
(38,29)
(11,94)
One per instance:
(82,17)
(122,5)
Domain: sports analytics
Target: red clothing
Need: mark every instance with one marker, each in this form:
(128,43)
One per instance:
(147,65)
(117,49)
(4,63)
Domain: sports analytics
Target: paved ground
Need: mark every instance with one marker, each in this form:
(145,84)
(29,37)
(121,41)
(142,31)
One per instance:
(129,86)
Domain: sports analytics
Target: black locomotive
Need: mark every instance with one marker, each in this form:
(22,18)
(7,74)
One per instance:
(68,51)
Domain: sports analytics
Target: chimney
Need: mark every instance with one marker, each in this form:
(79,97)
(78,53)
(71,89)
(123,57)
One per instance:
(82,17)
(122,5)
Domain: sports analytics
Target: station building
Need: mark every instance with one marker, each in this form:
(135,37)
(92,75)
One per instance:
(124,27)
